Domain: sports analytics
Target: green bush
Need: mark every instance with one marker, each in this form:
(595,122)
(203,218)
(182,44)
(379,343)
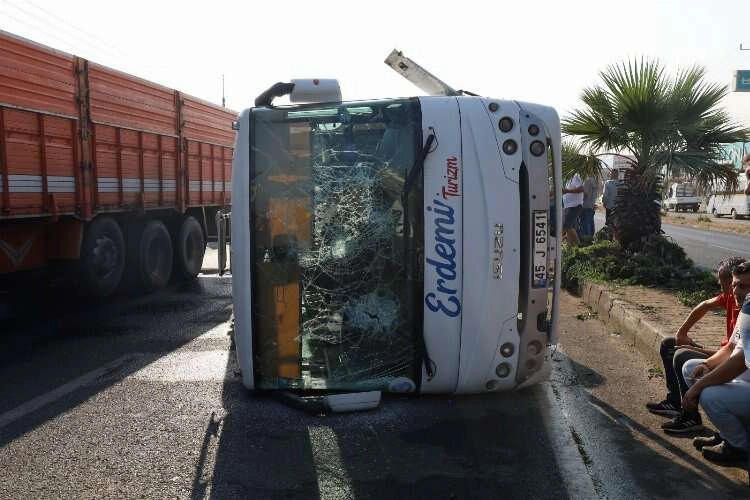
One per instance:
(660,263)
(692,299)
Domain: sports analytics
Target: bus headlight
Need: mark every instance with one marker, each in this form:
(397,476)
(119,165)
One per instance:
(502,370)
(510,147)
(537,148)
(507,350)
(505,124)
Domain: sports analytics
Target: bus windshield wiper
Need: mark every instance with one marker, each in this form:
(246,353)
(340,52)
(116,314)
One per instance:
(417,168)
(410,266)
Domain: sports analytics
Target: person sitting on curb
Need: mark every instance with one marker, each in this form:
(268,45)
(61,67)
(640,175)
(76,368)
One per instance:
(693,370)
(675,351)
(723,390)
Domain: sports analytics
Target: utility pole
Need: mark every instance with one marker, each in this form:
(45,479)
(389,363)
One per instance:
(223,100)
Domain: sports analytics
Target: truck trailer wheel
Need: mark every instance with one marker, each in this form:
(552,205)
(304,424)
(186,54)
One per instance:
(190,245)
(102,256)
(154,256)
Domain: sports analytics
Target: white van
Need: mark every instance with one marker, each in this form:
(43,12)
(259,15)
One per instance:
(733,203)
(682,196)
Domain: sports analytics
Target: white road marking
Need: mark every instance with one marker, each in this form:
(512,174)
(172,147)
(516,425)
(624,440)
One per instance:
(55,394)
(174,367)
(730,249)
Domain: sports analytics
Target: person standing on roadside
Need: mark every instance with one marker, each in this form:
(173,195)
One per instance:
(572,206)
(590,193)
(609,198)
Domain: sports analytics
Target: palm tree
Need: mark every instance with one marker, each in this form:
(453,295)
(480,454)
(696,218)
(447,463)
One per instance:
(664,125)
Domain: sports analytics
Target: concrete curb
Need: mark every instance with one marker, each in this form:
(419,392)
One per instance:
(626,319)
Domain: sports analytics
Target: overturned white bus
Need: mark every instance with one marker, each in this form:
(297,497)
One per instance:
(403,245)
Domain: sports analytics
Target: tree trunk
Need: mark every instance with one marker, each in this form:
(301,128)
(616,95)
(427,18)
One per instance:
(637,212)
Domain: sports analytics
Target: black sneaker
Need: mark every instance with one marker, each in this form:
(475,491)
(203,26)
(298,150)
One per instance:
(726,454)
(684,422)
(703,441)
(666,408)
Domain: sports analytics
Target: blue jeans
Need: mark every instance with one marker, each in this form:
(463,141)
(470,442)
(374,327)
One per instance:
(586,220)
(727,405)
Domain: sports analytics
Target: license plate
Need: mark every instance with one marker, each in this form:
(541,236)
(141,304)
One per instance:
(539,230)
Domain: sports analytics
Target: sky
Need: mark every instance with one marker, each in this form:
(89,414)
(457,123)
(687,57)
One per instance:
(542,51)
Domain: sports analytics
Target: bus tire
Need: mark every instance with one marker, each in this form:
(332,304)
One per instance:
(734,215)
(154,257)
(102,260)
(190,246)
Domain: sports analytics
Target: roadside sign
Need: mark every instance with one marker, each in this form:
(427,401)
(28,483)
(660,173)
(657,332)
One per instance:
(741,80)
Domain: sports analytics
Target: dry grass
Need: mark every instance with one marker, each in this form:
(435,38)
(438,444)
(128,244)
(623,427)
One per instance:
(705,222)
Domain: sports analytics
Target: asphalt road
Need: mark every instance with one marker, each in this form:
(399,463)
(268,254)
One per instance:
(140,398)
(705,247)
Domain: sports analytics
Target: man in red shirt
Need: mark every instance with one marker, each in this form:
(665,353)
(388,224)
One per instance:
(677,350)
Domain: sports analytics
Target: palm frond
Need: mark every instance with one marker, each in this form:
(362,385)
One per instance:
(671,125)
(699,166)
(576,161)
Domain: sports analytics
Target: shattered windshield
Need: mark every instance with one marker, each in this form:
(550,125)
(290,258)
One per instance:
(334,274)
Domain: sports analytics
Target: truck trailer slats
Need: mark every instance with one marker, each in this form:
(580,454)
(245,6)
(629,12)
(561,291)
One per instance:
(89,149)
(126,142)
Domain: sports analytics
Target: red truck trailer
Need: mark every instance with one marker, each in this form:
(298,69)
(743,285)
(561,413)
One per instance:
(118,175)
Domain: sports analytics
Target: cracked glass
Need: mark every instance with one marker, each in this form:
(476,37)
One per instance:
(337,283)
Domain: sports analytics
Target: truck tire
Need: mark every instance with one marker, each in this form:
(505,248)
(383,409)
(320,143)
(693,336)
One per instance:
(190,246)
(102,258)
(153,263)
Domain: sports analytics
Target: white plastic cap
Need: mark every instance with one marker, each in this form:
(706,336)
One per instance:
(309,90)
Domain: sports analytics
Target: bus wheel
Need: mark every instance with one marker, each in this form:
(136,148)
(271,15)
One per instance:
(733,214)
(154,265)
(190,245)
(102,256)
(695,208)
(715,213)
